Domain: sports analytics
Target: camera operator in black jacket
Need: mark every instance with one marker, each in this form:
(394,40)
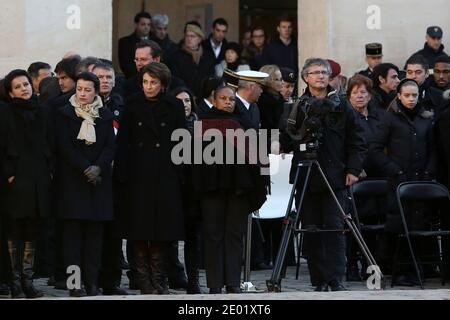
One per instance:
(341,153)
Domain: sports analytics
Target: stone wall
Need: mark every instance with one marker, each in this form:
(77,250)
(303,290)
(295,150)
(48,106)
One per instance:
(46,30)
(339,29)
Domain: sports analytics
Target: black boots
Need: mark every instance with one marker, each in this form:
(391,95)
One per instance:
(22,255)
(15,255)
(191,258)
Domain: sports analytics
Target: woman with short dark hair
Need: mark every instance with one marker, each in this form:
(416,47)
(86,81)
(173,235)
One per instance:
(85,149)
(149,197)
(27,170)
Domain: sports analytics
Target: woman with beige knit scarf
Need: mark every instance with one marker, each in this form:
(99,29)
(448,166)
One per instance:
(85,151)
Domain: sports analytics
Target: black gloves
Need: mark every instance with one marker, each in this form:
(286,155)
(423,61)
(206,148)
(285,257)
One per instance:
(92,173)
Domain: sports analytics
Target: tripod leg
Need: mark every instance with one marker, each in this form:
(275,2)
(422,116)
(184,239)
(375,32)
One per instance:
(350,223)
(290,222)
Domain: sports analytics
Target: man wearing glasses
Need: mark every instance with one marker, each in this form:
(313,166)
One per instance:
(433,46)
(147,51)
(341,153)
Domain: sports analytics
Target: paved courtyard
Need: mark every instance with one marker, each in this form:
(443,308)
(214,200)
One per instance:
(292,289)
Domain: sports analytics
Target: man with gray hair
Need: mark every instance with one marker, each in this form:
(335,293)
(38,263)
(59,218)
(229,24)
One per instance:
(327,122)
(160,25)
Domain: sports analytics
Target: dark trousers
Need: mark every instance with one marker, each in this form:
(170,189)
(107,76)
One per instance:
(5,265)
(224,221)
(111,267)
(193,243)
(325,251)
(82,244)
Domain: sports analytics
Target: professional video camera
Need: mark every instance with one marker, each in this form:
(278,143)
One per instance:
(313,114)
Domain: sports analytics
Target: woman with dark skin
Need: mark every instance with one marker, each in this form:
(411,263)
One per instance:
(228,193)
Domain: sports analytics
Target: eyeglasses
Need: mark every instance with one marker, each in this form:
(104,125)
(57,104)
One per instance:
(316,73)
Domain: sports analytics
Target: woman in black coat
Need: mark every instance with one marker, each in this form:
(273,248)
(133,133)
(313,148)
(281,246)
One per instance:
(85,148)
(228,193)
(406,133)
(370,209)
(26,177)
(149,197)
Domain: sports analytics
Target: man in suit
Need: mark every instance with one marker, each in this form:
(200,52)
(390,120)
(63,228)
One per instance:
(127,45)
(215,44)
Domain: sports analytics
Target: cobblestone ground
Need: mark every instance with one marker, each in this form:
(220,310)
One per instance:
(292,289)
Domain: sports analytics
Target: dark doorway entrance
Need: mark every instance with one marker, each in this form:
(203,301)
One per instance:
(265,13)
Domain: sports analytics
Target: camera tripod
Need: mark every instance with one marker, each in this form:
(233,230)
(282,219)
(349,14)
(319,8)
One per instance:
(292,220)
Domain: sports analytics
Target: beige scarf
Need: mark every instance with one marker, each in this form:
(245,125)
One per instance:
(89,112)
(196,54)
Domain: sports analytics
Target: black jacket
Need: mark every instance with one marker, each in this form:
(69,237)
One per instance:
(404,149)
(409,144)
(208,50)
(115,104)
(76,197)
(127,50)
(25,153)
(252,113)
(430,54)
(282,55)
(271,108)
(342,150)
(371,126)
(167,45)
(367,73)
(148,183)
(381,99)
(183,66)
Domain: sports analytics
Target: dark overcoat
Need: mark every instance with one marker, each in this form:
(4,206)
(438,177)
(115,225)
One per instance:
(148,189)
(26,155)
(76,198)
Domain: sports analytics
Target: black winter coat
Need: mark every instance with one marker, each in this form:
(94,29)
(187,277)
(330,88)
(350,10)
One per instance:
(148,189)
(410,153)
(183,66)
(114,103)
(26,155)
(371,126)
(430,54)
(76,197)
(343,148)
(282,55)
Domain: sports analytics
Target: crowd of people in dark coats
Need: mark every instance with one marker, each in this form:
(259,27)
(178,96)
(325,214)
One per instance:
(86,157)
